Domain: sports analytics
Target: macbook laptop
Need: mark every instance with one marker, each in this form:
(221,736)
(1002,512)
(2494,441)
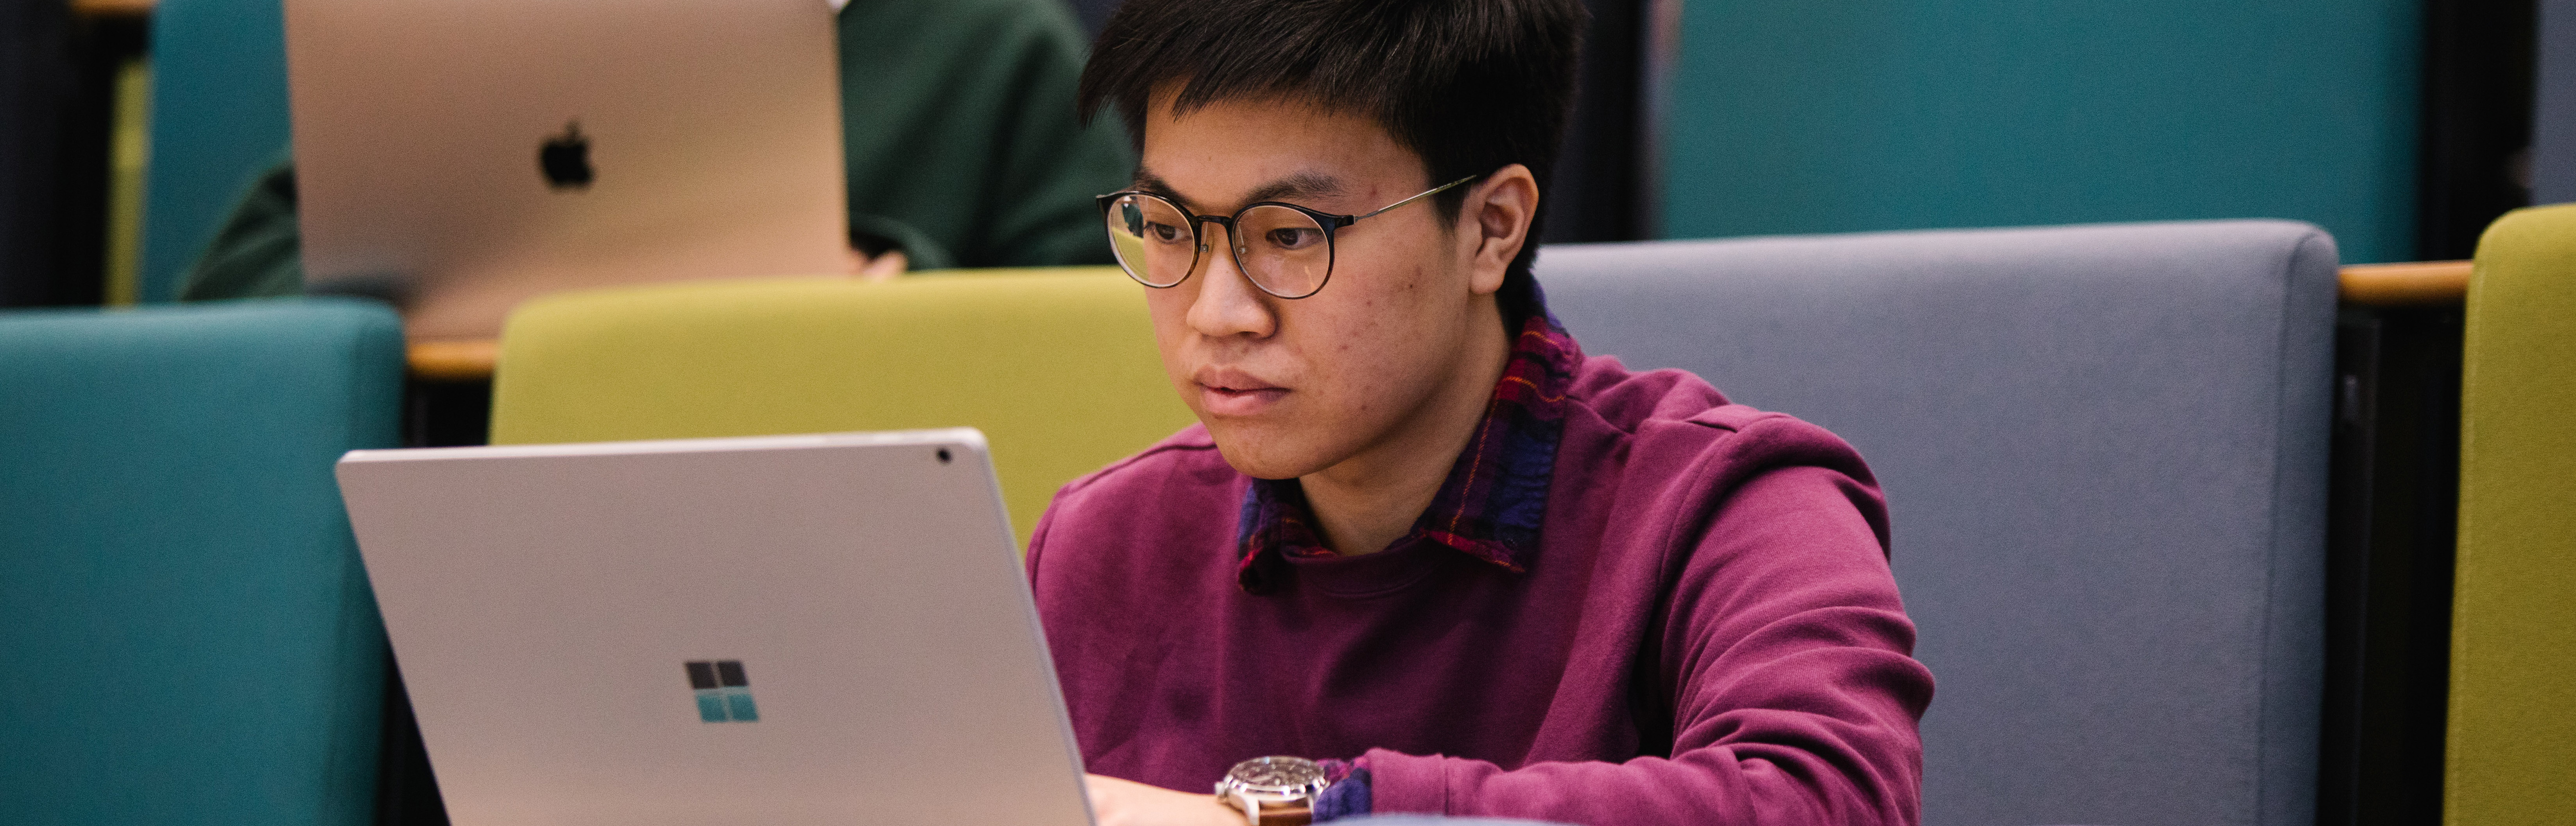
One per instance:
(463,155)
(779,630)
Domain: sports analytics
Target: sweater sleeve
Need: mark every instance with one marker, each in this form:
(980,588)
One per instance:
(1784,664)
(255,253)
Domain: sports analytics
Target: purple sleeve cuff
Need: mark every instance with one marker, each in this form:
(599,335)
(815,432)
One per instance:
(1349,794)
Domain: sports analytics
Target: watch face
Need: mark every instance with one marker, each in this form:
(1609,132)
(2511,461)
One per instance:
(1277,772)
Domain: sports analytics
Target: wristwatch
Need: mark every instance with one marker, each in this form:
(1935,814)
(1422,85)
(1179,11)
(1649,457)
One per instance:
(1273,791)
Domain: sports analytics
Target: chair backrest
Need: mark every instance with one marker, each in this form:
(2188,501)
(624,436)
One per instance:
(2104,450)
(219,118)
(1057,367)
(187,630)
(2512,734)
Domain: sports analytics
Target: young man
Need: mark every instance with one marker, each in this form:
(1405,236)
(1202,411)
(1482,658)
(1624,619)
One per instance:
(1418,536)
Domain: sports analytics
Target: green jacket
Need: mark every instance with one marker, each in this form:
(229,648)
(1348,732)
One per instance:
(959,137)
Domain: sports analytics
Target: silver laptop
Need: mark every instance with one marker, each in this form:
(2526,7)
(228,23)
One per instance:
(778,630)
(474,153)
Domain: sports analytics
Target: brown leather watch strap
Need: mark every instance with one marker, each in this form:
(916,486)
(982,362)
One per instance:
(1287,816)
(1273,815)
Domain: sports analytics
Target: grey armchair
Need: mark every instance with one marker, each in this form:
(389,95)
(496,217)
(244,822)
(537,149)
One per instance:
(2104,449)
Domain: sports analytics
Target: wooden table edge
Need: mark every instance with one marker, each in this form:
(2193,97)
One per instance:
(112,8)
(2411,284)
(2425,283)
(468,359)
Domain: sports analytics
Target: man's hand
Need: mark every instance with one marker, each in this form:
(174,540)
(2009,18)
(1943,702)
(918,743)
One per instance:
(1116,802)
(883,267)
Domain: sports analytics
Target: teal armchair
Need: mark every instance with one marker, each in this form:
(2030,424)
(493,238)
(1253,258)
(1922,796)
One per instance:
(187,632)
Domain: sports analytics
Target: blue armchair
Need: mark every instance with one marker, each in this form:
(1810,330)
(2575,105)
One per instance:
(187,631)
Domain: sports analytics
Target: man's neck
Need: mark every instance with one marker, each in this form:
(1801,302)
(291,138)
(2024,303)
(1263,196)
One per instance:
(1366,502)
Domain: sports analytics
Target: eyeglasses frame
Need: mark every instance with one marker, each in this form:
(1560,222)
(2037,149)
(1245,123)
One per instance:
(1331,223)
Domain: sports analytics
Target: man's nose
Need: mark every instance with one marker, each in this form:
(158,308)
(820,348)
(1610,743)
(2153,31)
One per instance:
(1227,304)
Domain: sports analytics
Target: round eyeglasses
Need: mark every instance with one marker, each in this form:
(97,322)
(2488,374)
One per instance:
(1285,249)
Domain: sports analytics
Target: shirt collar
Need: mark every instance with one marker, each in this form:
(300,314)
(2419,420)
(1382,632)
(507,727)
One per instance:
(1492,503)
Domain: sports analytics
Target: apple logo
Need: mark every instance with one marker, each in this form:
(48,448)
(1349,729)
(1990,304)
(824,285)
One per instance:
(565,159)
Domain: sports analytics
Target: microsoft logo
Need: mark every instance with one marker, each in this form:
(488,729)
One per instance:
(724,692)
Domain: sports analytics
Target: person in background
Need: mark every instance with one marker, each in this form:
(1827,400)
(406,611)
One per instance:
(1421,553)
(960,143)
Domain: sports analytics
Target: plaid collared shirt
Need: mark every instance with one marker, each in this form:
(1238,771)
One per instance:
(1496,494)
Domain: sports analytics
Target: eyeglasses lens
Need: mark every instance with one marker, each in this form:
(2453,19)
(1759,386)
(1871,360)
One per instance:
(1282,250)
(1152,239)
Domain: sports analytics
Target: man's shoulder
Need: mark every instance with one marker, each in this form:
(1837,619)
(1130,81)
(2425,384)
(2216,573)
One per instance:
(1637,401)
(1675,425)
(1665,442)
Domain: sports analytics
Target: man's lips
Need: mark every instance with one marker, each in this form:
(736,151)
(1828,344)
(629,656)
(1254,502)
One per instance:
(1235,393)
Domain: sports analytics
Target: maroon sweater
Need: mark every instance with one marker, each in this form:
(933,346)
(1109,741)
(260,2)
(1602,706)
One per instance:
(1706,631)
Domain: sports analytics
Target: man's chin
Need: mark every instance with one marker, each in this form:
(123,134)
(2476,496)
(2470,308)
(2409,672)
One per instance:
(1262,451)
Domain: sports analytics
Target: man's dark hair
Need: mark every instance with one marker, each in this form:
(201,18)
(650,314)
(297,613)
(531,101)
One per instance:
(1471,86)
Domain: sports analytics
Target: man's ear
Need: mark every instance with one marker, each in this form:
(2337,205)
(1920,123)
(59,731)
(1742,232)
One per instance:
(1496,220)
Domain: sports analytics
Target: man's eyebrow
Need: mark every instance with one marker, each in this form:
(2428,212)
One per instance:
(1147,181)
(1300,185)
